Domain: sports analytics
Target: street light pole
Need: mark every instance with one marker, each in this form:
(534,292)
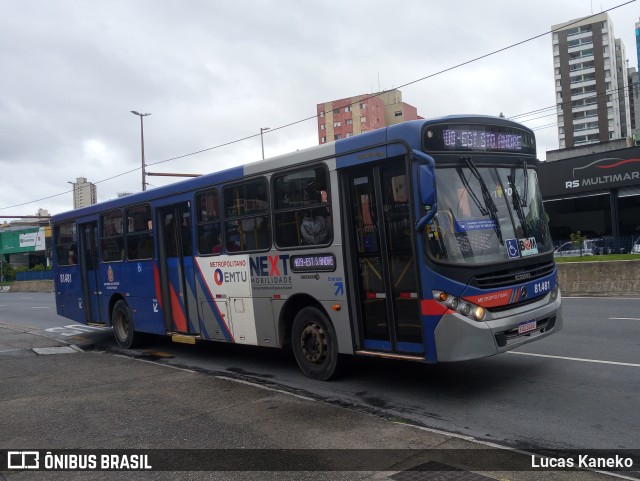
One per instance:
(262,129)
(74,194)
(144,180)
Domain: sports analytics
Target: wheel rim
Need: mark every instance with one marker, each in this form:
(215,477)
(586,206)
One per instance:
(122,326)
(313,341)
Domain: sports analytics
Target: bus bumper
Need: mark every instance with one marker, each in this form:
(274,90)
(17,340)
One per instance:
(459,338)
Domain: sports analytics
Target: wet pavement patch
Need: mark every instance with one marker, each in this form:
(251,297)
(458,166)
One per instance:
(45,351)
(150,355)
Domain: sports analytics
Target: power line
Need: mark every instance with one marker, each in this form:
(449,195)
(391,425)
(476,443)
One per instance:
(567,103)
(306,119)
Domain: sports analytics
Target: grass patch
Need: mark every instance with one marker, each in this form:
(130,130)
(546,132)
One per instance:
(602,258)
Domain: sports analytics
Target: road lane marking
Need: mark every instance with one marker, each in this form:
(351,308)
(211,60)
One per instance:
(596,361)
(626,318)
(266,388)
(43,307)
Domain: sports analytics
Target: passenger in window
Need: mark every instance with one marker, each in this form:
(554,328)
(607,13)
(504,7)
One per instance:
(233,244)
(217,248)
(314,227)
(73,259)
(310,194)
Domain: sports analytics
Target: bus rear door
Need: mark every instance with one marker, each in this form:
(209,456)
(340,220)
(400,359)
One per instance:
(176,269)
(380,231)
(90,269)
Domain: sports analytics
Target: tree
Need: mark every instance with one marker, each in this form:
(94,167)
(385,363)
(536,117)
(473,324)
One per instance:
(577,239)
(7,271)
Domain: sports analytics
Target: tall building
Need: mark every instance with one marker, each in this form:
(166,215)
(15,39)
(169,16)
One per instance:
(638,42)
(634,102)
(84,193)
(591,82)
(634,91)
(339,119)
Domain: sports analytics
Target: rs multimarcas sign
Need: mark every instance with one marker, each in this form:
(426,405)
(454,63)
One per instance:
(602,171)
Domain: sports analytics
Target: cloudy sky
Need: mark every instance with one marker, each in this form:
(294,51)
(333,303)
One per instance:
(215,72)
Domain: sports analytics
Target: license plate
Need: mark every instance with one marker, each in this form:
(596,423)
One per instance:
(527,326)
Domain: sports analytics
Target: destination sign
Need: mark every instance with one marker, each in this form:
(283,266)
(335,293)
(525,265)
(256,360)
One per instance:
(483,138)
(313,262)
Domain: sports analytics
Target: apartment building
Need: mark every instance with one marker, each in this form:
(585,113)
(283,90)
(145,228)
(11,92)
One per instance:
(84,193)
(339,119)
(592,94)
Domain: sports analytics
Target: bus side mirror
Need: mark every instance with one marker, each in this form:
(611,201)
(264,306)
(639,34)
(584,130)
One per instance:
(428,196)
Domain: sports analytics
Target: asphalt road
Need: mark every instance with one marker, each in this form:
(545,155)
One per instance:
(575,390)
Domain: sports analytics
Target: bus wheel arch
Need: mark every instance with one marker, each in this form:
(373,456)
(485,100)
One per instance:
(288,313)
(122,323)
(313,339)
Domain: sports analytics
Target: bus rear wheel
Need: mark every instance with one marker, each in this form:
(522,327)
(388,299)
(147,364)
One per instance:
(122,322)
(315,345)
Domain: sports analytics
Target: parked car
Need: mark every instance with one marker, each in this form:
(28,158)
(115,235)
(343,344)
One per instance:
(636,247)
(598,245)
(569,249)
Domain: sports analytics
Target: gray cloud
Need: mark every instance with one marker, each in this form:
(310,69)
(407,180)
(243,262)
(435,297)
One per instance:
(213,72)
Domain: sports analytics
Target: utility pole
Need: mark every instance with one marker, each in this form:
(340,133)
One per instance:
(144,180)
(262,129)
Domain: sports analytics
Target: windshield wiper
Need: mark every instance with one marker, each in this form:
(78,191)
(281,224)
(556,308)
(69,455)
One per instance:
(486,195)
(490,208)
(526,182)
(518,202)
(483,210)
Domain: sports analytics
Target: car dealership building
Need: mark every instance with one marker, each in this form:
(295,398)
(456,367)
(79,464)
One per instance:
(594,189)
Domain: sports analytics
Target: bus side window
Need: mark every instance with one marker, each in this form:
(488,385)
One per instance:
(208,223)
(66,244)
(139,236)
(247,224)
(302,208)
(112,245)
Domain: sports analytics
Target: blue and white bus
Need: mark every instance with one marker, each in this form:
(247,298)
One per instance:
(424,241)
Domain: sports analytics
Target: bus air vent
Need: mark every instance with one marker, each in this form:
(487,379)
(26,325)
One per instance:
(509,277)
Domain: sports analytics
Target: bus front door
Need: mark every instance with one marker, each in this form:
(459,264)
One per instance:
(386,294)
(176,269)
(89,266)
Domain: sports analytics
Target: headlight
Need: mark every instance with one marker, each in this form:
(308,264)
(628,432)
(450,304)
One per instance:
(478,313)
(554,292)
(466,308)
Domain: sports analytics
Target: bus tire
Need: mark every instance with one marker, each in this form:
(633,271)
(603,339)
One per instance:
(315,345)
(122,322)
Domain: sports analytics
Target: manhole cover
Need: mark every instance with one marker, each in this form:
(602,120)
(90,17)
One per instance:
(434,471)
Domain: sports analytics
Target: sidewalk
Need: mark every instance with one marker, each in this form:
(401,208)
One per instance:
(71,399)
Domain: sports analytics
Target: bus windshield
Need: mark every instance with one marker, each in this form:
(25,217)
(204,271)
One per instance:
(487,214)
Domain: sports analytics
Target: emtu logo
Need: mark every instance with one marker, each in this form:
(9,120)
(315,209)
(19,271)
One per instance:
(23,460)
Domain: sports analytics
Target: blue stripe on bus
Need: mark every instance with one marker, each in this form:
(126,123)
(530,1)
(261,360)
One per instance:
(379,345)
(154,196)
(410,347)
(357,142)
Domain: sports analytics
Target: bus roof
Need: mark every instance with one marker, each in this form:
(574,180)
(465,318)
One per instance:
(409,132)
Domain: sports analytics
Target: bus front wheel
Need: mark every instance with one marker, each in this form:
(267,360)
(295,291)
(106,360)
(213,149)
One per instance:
(315,345)
(122,322)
